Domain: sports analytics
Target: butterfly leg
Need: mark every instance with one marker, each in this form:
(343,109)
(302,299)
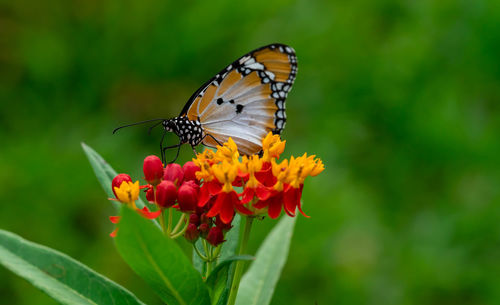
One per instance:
(164,149)
(161,147)
(209,135)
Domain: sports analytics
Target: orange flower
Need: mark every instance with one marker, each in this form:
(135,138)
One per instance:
(270,185)
(227,199)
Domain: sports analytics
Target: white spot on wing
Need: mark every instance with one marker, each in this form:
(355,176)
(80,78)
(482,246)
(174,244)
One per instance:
(255,66)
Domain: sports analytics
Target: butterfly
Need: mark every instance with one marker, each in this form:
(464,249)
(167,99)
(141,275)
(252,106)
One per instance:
(244,101)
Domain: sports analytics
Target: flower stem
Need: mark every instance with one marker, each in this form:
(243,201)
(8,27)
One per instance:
(240,264)
(162,222)
(169,227)
(203,257)
(178,225)
(209,264)
(180,233)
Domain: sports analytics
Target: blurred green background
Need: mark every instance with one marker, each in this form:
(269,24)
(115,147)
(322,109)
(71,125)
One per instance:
(399,98)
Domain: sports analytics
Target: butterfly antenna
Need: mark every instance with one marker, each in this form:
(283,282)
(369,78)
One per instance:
(151,128)
(138,123)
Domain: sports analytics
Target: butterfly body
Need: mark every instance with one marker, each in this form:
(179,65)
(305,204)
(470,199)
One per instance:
(188,131)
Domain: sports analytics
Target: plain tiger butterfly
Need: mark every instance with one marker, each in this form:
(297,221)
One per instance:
(244,101)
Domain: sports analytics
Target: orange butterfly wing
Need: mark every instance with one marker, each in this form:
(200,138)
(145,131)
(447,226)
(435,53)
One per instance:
(246,100)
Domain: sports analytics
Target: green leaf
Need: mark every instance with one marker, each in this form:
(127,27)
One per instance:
(257,284)
(61,277)
(159,261)
(220,279)
(105,174)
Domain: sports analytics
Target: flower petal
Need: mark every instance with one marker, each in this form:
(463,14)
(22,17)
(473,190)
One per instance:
(214,187)
(204,196)
(217,206)
(149,215)
(274,209)
(247,195)
(290,197)
(113,234)
(227,209)
(243,210)
(114,219)
(262,192)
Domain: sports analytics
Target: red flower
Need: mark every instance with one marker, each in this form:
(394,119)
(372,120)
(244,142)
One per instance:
(227,199)
(260,191)
(194,219)
(190,170)
(288,198)
(174,173)
(188,196)
(205,219)
(148,214)
(224,226)
(166,194)
(192,233)
(204,228)
(153,169)
(273,204)
(207,191)
(215,236)
(224,206)
(291,199)
(265,175)
(150,195)
(117,181)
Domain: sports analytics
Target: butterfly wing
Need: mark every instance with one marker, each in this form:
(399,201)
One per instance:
(246,100)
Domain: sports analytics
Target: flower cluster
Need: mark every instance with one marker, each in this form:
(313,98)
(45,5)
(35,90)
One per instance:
(217,184)
(268,186)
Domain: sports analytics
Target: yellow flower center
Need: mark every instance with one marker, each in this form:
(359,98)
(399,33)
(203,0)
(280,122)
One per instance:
(272,146)
(128,192)
(225,173)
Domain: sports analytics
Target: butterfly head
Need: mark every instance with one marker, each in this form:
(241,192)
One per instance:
(170,125)
(188,131)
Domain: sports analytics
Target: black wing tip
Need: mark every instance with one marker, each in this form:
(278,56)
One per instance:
(276,45)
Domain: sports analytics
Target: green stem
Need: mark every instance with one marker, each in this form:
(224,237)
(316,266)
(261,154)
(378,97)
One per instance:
(162,222)
(175,235)
(178,225)
(169,227)
(209,264)
(205,248)
(217,252)
(240,264)
(203,257)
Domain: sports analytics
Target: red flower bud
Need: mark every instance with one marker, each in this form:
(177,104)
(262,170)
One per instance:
(173,172)
(192,233)
(205,219)
(153,169)
(190,170)
(188,196)
(194,219)
(117,181)
(204,228)
(224,226)
(150,195)
(215,236)
(166,194)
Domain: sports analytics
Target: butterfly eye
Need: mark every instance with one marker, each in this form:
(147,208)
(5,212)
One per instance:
(169,125)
